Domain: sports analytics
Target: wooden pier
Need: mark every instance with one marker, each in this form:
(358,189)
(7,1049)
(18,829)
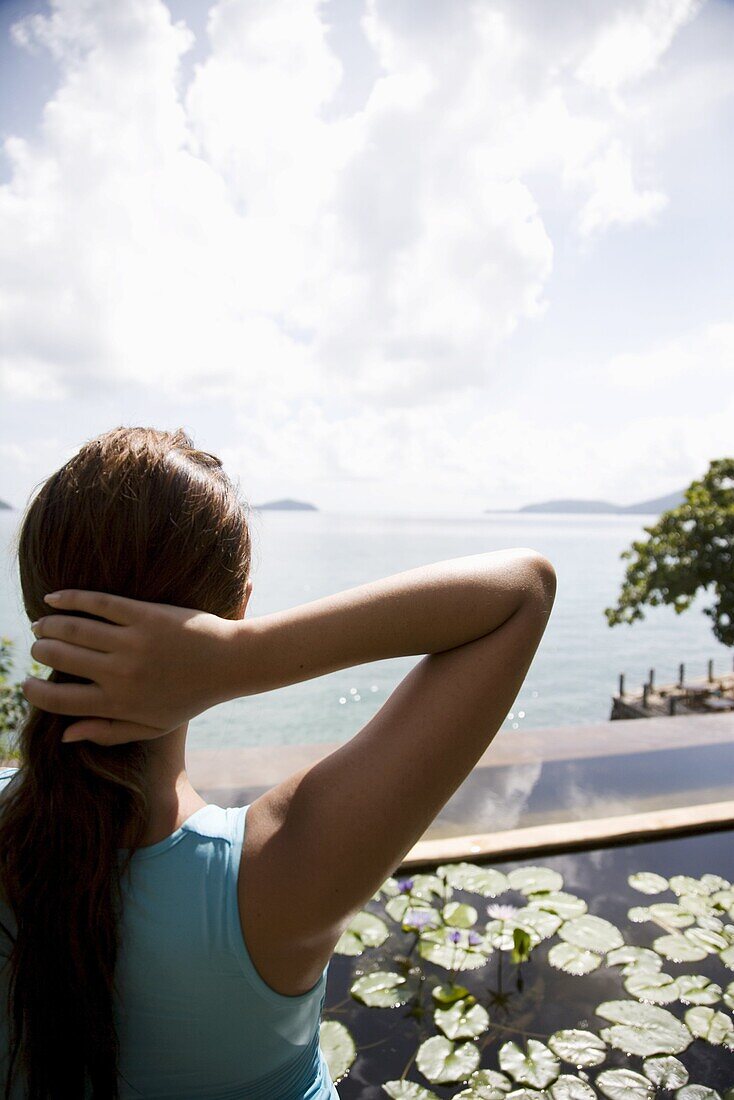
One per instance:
(709,694)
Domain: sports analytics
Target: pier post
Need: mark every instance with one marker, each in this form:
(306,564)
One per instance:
(645,690)
(671,705)
(651,680)
(681,674)
(621,684)
(711,671)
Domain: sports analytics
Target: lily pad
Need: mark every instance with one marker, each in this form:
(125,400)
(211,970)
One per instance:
(592,933)
(389,888)
(364,930)
(638,914)
(671,915)
(530,880)
(647,882)
(449,993)
(643,1029)
(706,1023)
(697,989)
(679,949)
(697,1092)
(667,1072)
(442,1062)
(727,957)
(439,948)
(580,1048)
(426,887)
(462,1020)
(714,882)
(634,958)
(485,1084)
(338,1048)
(711,922)
(573,960)
(407,1090)
(526,1094)
(539,921)
(500,933)
(700,905)
(684,884)
(571,1088)
(418,918)
(477,880)
(724,899)
(707,939)
(729,995)
(459,916)
(536,1066)
(380,989)
(563,905)
(397,907)
(624,1084)
(656,989)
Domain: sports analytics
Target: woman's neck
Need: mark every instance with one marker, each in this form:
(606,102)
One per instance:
(171,797)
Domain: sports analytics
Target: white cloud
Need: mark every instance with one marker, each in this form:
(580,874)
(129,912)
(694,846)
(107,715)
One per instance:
(236,234)
(345,282)
(631,43)
(615,200)
(706,356)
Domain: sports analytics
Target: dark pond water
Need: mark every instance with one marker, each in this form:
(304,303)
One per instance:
(549,1000)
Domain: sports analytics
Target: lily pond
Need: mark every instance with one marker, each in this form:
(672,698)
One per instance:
(607,973)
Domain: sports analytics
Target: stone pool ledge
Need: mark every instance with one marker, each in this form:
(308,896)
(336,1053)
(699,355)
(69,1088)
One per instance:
(663,771)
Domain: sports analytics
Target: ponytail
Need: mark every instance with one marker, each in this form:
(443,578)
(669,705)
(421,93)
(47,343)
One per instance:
(64,815)
(140,513)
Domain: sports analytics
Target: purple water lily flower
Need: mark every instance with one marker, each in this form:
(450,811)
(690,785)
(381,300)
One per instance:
(474,938)
(455,936)
(418,918)
(406,885)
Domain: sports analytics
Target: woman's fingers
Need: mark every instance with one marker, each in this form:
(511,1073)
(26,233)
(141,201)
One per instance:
(74,699)
(103,731)
(73,659)
(118,609)
(79,632)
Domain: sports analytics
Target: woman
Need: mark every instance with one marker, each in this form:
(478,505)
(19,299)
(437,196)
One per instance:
(154,946)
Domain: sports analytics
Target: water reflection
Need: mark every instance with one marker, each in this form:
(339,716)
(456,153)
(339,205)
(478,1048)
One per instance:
(514,796)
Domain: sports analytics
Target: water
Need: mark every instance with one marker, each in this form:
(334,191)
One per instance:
(549,1000)
(301,556)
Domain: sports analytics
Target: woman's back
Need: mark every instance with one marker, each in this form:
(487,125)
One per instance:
(195,1019)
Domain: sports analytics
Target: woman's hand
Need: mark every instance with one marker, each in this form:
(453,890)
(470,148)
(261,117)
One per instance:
(152,667)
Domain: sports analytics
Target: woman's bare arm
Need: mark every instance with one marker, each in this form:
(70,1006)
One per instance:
(320,843)
(425,610)
(153,666)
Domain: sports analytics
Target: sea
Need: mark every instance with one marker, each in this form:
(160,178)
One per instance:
(300,556)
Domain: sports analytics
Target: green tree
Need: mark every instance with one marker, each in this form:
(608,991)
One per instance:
(689,548)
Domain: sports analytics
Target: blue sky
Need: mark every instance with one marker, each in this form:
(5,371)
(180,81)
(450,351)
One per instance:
(388,257)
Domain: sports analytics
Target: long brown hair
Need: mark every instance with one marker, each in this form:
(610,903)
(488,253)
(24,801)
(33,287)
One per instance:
(139,513)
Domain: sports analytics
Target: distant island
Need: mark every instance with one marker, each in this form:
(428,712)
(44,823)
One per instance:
(4,505)
(598,507)
(285,506)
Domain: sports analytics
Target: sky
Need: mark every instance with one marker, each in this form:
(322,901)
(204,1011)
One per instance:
(387,256)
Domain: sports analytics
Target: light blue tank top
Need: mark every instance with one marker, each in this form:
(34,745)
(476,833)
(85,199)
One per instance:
(195,1019)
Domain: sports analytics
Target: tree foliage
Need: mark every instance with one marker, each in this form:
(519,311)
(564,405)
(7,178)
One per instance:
(13,704)
(689,548)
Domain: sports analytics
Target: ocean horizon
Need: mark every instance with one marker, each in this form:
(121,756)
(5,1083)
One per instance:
(299,556)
